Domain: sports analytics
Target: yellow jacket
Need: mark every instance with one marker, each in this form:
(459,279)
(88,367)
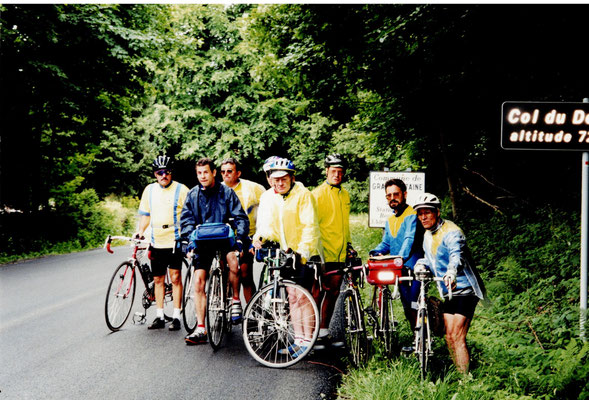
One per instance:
(249,194)
(290,220)
(333,208)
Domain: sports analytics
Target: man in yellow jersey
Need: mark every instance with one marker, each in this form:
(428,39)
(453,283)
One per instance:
(249,194)
(402,236)
(160,207)
(290,218)
(333,209)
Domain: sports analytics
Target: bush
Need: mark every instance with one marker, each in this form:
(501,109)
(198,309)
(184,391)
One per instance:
(77,221)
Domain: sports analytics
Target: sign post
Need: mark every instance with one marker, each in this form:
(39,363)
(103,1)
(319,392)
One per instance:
(584,244)
(554,126)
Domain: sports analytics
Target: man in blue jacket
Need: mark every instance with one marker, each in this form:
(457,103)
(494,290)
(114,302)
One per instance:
(448,257)
(403,237)
(210,201)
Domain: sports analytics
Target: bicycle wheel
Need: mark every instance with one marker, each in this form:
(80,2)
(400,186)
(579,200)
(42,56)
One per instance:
(422,343)
(216,319)
(354,328)
(273,320)
(188,305)
(120,296)
(387,324)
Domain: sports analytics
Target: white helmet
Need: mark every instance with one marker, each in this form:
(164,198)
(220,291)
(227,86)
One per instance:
(427,200)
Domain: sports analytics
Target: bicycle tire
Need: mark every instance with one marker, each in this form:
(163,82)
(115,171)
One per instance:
(387,324)
(269,324)
(120,296)
(354,328)
(216,319)
(188,306)
(422,347)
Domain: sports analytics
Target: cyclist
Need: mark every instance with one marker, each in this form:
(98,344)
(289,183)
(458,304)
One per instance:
(159,209)
(249,194)
(402,236)
(447,255)
(333,209)
(290,218)
(210,201)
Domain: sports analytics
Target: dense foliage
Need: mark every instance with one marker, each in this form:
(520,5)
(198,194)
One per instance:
(524,344)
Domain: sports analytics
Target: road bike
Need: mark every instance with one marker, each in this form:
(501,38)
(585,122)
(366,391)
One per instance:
(352,312)
(219,301)
(281,321)
(381,272)
(423,325)
(121,289)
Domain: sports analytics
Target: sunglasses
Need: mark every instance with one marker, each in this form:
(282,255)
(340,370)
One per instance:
(163,172)
(226,171)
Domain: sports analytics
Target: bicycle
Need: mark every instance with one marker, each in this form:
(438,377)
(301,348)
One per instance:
(382,271)
(352,312)
(279,315)
(423,332)
(121,289)
(218,293)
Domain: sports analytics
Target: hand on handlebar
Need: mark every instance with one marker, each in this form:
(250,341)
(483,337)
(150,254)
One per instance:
(450,280)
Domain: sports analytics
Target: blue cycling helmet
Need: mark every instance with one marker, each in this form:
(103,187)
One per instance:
(281,167)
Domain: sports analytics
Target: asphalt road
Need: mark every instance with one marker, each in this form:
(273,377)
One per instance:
(55,344)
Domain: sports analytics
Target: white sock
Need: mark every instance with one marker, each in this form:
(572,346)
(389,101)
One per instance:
(200,329)
(323,332)
(176,314)
(159,312)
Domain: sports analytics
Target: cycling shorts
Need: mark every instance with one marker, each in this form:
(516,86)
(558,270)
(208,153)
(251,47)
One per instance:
(162,259)
(463,305)
(332,266)
(303,275)
(203,256)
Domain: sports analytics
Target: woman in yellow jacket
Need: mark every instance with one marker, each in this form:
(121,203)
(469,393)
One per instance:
(289,216)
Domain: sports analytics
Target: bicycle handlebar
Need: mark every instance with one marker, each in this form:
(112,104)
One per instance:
(433,278)
(110,238)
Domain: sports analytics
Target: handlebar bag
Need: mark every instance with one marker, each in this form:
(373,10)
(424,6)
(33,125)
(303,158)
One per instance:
(213,231)
(384,270)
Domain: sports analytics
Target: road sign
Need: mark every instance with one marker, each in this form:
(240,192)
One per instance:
(378,207)
(545,126)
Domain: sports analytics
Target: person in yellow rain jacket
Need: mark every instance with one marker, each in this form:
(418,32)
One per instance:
(333,209)
(249,194)
(288,216)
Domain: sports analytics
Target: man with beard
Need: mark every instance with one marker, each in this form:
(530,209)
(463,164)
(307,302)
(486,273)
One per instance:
(402,236)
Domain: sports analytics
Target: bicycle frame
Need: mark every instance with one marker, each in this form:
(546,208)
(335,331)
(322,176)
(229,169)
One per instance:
(139,246)
(423,336)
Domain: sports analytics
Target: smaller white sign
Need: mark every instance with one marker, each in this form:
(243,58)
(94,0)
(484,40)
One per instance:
(378,207)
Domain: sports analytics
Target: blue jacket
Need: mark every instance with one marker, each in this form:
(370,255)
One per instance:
(445,250)
(402,237)
(216,204)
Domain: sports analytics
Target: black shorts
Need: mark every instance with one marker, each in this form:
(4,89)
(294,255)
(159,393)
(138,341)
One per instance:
(162,259)
(332,266)
(303,274)
(463,305)
(203,256)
